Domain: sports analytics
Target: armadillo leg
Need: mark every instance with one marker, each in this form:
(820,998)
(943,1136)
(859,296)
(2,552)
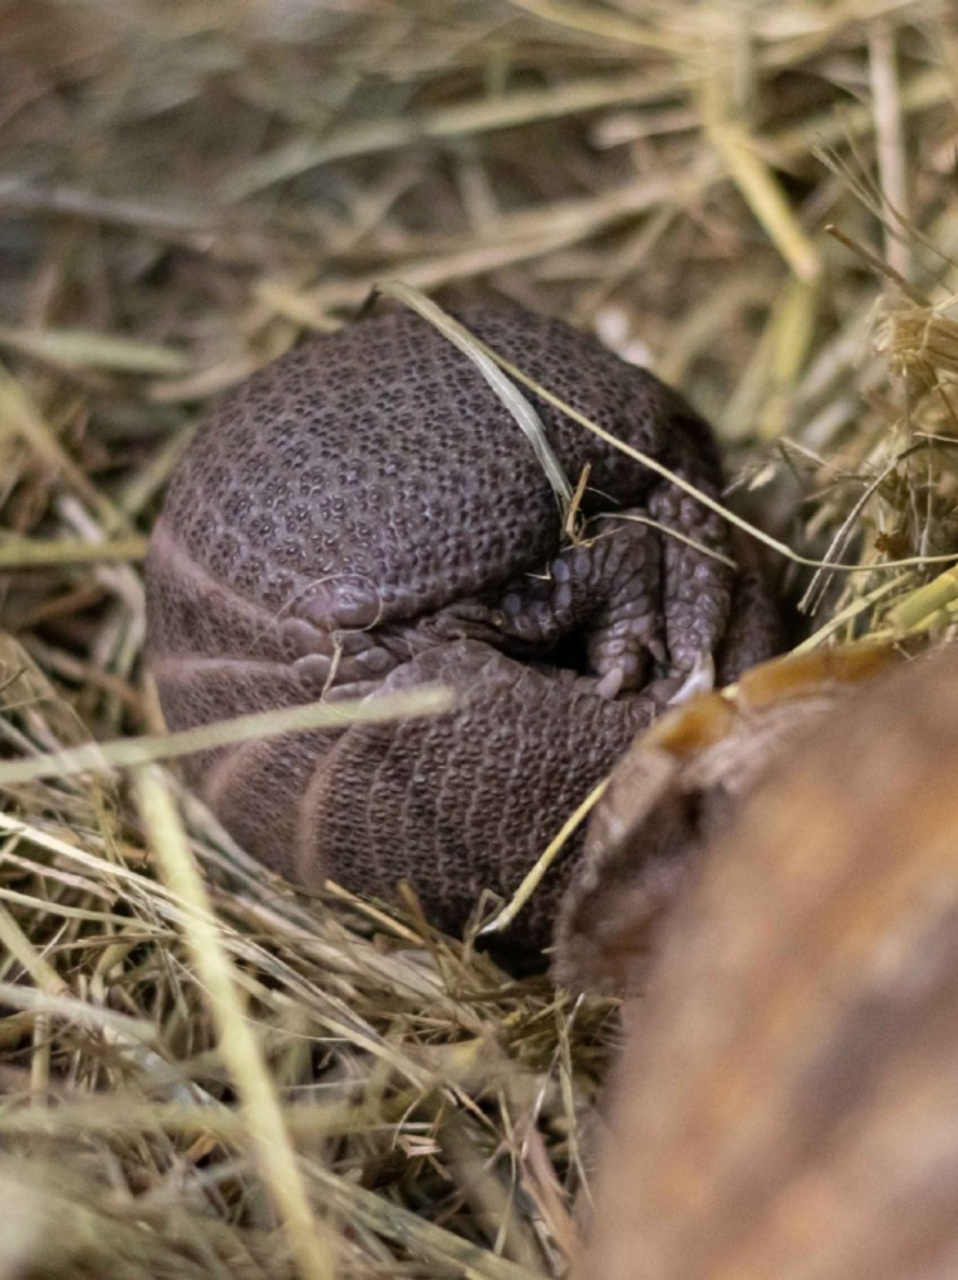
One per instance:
(698,586)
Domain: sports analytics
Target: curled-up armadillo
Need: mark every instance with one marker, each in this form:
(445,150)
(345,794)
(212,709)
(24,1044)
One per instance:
(364,515)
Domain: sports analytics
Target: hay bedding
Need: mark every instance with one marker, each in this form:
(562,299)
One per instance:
(185,188)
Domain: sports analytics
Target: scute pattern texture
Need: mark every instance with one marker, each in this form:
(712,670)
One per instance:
(364,513)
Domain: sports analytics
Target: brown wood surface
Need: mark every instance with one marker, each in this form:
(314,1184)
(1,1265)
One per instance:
(786,1107)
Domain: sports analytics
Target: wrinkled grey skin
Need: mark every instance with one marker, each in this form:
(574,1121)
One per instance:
(363,514)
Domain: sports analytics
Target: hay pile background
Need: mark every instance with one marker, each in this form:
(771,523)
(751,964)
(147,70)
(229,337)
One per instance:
(186,187)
